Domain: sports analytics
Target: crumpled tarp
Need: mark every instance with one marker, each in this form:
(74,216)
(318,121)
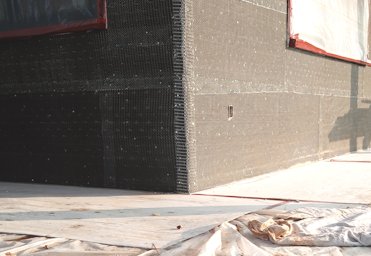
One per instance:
(305,231)
(315,227)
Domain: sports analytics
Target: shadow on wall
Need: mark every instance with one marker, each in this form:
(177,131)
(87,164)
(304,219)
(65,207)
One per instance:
(354,124)
(357,122)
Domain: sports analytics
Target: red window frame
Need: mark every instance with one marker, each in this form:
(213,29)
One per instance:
(100,22)
(296,42)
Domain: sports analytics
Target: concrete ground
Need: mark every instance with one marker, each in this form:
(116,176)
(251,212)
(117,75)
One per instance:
(119,222)
(343,179)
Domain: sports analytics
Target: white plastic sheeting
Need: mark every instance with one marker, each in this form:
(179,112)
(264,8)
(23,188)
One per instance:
(312,231)
(316,227)
(23,245)
(338,27)
(307,231)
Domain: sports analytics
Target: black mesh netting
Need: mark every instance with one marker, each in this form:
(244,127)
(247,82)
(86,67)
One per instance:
(92,108)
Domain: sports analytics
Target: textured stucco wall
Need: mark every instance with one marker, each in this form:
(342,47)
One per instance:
(290,106)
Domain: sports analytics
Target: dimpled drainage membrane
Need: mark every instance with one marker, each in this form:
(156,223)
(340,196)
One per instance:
(97,109)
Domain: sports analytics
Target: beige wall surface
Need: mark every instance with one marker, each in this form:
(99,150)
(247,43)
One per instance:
(290,106)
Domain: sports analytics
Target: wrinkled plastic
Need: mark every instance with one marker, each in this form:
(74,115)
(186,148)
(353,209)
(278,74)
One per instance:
(337,28)
(20,18)
(316,227)
(312,231)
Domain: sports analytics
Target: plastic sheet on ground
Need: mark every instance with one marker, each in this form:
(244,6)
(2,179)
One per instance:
(11,245)
(306,231)
(315,227)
